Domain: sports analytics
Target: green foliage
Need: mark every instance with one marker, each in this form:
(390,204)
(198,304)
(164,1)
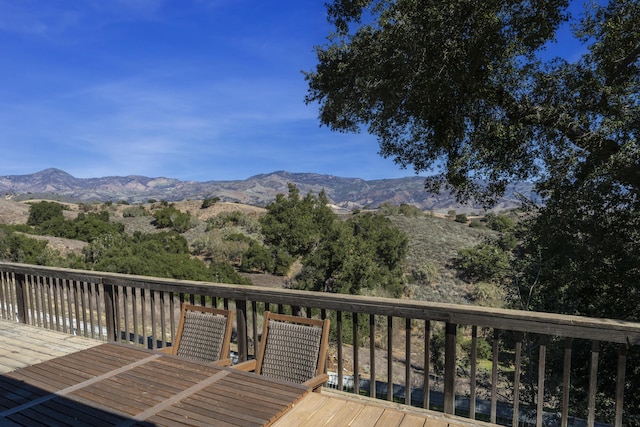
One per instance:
(233,219)
(425,274)
(282,262)
(464,87)
(476,224)
(484,350)
(42,212)
(15,247)
(209,201)
(163,254)
(364,252)
(487,294)
(170,217)
(85,227)
(297,225)
(405,209)
(462,218)
(500,223)
(257,257)
(223,272)
(135,211)
(485,262)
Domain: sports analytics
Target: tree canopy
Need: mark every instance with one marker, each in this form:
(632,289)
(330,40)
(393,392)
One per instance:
(460,85)
(467,88)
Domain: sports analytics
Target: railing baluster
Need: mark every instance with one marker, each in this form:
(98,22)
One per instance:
(154,320)
(143,314)
(541,373)
(372,355)
(172,317)
(126,296)
(49,286)
(99,293)
(83,306)
(407,363)
(55,291)
(593,382)
(389,358)
(450,368)
(621,371)
(356,354)
(473,376)
(566,381)
(109,312)
(495,356)
(4,303)
(77,300)
(163,319)
(69,298)
(92,307)
(426,379)
(254,324)
(516,378)
(339,345)
(241,329)
(36,310)
(21,297)
(64,305)
(137,300)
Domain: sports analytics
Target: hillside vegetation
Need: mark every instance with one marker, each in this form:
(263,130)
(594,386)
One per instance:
(222,233)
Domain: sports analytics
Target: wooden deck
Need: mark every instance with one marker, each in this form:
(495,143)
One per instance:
(22,346)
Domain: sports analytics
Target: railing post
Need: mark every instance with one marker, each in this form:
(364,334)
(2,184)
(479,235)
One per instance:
(450,368)
(109,313)
(21,297)
(241,324)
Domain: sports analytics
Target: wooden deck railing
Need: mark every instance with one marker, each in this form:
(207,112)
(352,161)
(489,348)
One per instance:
(531,368)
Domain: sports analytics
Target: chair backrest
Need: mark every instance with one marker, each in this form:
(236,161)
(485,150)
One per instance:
(292,348)
(204,333)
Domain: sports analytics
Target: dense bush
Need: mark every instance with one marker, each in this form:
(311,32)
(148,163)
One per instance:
(42,212)
(209,201)
(170,217)
(485,262)
(257,257)
(135,211)
(223,272)
(162,254)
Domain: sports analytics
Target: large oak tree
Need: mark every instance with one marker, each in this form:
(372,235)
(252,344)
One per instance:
(465,88)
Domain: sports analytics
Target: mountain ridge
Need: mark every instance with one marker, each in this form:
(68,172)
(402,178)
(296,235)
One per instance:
(257,190)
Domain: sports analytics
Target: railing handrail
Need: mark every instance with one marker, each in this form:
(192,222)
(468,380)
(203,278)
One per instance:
(611,330)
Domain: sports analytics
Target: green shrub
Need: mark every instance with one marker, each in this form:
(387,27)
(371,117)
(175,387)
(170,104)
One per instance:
(223,272)
(134,212)
(42,212)
(461,218)
(209,201)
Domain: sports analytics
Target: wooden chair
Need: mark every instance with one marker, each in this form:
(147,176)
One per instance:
(204,334)
(292,349)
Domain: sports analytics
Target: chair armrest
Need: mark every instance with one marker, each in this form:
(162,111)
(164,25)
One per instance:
(166,350)
(316,382)
(249,365)
(222,362)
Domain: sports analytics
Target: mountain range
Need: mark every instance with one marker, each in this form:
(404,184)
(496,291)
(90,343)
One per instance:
(258,190)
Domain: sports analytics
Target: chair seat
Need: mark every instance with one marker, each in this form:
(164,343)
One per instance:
(204,334)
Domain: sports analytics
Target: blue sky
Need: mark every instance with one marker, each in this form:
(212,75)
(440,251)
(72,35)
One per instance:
(189,89)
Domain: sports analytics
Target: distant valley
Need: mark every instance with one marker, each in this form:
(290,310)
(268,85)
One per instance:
(259,190)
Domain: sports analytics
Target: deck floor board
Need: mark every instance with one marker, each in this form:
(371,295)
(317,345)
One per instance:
(22,346)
